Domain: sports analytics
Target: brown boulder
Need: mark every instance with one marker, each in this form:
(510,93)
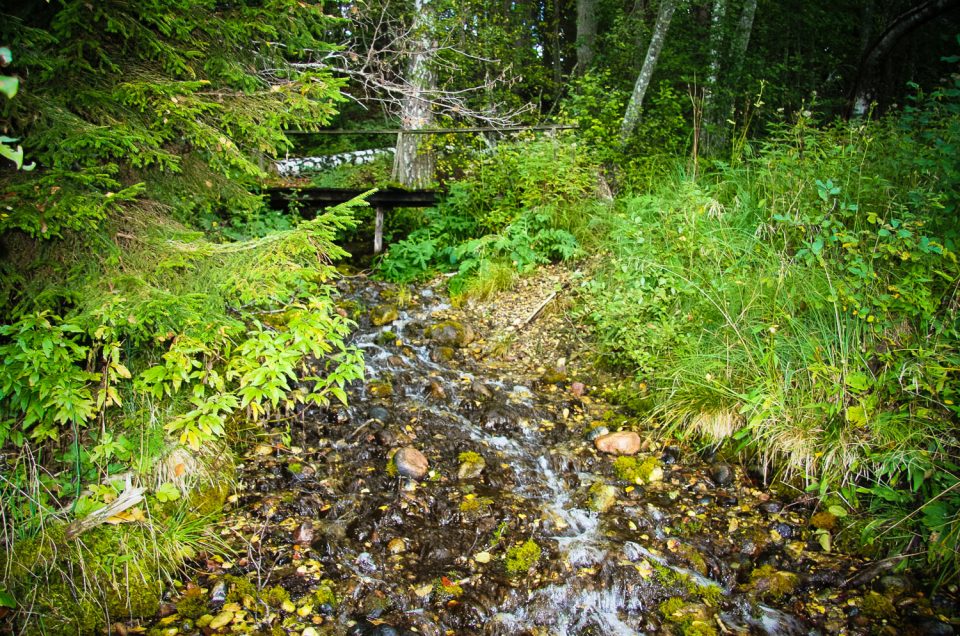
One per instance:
(620,443)
(411,463)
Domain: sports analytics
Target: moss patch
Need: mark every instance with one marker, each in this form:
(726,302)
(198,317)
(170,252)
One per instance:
(520,558)
(636,471)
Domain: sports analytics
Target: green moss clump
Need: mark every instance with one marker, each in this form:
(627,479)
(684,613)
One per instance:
(693,619)
(472,503)
(520,558)
(671,606)
(209,499)
(877,605)
(324,594)
(391,468)
(769,583)
(295,468)
(712,595)
(193,604)
(470,457)
(634,471)
(239,588)
(275,596)
(445,589)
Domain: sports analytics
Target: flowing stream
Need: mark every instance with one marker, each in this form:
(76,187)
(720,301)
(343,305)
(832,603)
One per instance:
(365,551)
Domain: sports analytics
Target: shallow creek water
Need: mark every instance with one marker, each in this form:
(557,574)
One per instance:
(362,550)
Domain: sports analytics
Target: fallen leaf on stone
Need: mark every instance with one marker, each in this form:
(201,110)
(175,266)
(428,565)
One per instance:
(423,590)
(482,557)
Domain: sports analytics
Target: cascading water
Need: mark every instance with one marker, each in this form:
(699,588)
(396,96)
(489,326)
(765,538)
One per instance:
(393,555)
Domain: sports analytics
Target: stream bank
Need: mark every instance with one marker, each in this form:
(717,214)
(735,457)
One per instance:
(463,492)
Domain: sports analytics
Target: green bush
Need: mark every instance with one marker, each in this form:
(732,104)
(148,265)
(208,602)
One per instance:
(801,303)
(514,209)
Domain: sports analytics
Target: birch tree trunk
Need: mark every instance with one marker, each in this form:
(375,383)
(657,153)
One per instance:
(412,165)
(632,116)
(723,106)
(717,14)
(915,17)
(586,34)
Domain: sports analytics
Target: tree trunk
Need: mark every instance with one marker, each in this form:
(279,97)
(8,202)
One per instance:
(632,116)
(412,166)
(865,88)
(717,15)
(586,34)
(722,109)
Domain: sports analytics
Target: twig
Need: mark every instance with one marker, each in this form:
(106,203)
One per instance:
(540,308)
(129,498)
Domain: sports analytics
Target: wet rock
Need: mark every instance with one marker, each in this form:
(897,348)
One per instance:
(481,389)
(602,497)
(727,501)
(785,530)
(411,463)
(384,314)
(896,585)
(771,584)
(450,333)
(441,355)
(495,418)
(877,605)
(824,521)
(770,507)
(721,473)
(934,627)
(379,413)
(380,388)
(471,466)
(397,546)
(554,375)
(365,562)
(671,455)
(385,338)
(619,443)
(218,595)
(596,432)
(304,533)
(578,389)
(436,390)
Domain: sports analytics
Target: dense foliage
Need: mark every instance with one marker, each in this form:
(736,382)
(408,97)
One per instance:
(805,303)
(133,342)
(513,209)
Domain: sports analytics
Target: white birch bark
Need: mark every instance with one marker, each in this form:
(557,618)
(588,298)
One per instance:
(632,116)
(412,165)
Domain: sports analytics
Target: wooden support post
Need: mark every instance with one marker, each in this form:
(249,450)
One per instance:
(378,232)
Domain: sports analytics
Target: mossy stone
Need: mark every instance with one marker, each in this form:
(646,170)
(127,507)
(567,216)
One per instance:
(384,314)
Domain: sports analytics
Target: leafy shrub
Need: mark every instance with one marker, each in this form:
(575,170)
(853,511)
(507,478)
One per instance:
(515,209)
(801,304)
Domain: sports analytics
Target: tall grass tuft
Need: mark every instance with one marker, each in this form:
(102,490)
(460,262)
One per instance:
(804,304)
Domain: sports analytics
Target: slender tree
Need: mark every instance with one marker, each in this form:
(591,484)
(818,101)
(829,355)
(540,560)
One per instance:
(586,34)
(632,116)
(865,87)
(412,166)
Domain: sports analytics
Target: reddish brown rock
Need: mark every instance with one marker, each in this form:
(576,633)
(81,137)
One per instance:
(620,443)
(411,463)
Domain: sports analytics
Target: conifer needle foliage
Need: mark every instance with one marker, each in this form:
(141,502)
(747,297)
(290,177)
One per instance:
(125,330)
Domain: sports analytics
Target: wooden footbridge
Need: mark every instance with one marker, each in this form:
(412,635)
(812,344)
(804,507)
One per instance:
(310,199)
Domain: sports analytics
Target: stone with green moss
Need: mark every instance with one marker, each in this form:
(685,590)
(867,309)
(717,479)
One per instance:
(635,471)
(877,605)
(193,604)
(383,314)
(769,583)
(602,497)
(520,558)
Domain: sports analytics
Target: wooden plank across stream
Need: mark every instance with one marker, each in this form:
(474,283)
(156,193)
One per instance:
(312,199)
(317,198)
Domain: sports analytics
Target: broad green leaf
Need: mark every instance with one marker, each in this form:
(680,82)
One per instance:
(9,85)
